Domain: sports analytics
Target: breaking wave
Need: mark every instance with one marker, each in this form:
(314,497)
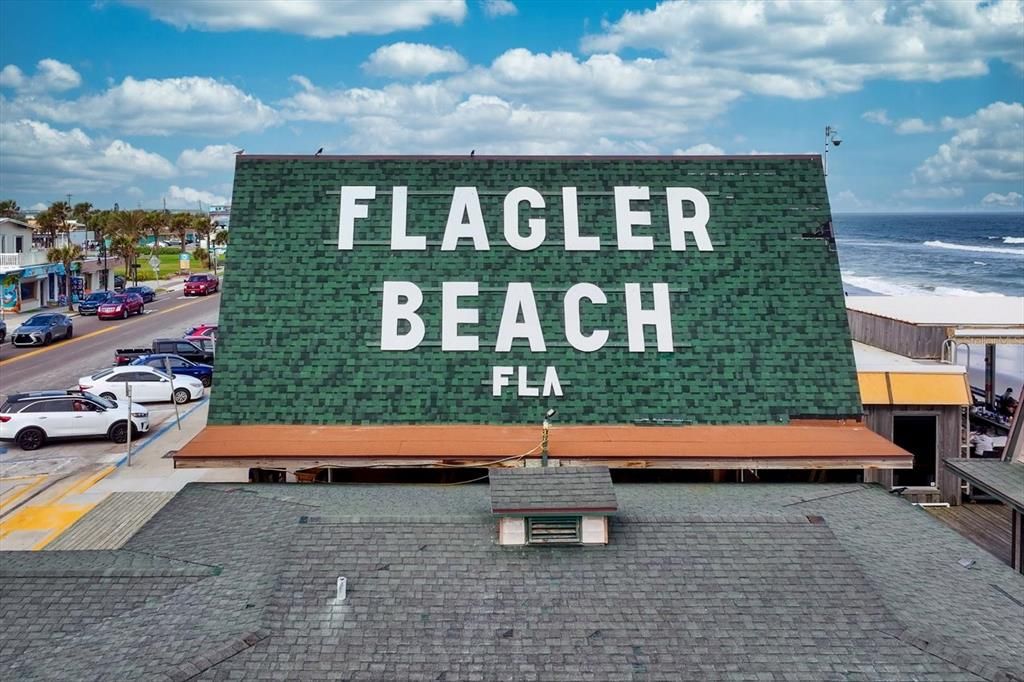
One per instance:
(983,249)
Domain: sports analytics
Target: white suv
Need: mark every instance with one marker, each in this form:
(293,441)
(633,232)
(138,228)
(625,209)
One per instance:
(30,419)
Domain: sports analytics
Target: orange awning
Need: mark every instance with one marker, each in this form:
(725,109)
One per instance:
(807,442)
(913,388)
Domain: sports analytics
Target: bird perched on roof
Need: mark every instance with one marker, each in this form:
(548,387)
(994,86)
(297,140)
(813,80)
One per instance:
(898,491)
(239,152)
(319,151)
(472,154)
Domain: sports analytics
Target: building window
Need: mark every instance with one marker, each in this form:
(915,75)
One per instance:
(19,244)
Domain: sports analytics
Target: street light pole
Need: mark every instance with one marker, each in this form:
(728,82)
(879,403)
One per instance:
(832,139)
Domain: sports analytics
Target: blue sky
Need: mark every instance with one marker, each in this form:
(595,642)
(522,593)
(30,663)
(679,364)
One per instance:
(140,102)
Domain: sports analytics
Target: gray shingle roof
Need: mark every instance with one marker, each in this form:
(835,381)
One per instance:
(552,489)
(698,582)
(1004,480)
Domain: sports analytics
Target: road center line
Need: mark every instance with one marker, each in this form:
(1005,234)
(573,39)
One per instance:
(67,343)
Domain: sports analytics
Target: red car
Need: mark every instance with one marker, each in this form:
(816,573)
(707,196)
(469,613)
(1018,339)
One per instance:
(203,329)
(120,305)
(201,285)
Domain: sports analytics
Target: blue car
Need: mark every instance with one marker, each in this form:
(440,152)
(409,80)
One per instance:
(179,365)
(92,302)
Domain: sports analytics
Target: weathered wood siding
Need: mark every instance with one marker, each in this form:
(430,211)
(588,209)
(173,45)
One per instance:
(879,418)
(896,337)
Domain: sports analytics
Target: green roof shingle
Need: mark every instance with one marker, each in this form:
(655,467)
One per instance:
(759,324)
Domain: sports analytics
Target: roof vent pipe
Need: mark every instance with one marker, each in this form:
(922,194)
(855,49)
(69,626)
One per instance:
(342,587)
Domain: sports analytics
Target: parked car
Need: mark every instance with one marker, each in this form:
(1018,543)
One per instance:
(204,329)
(31,419)
(120,305)
(119,283)
(201,285)
(3,331)
(91,303)
(148,294)
(182,347)
(206,343)
(178,365)
(41,329)
(147,384)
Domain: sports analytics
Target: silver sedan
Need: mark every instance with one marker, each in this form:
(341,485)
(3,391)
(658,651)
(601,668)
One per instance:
(41,329)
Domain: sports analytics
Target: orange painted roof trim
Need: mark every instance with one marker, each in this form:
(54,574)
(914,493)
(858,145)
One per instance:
(808,439)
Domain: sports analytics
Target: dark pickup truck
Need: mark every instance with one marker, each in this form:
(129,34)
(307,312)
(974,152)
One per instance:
(186,349)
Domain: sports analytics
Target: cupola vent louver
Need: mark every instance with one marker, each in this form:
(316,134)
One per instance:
(552,505)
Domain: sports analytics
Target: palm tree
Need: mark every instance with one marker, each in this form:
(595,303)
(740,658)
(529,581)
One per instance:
(49,224)
(9,209)
(181,224)
(156,221)
(61,211)
(221,239)
(201,224)
(127,228)
(83,213)
(66,255)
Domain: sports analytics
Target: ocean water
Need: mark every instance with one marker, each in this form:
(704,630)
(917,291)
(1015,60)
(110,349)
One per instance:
(941,254)
(932,253)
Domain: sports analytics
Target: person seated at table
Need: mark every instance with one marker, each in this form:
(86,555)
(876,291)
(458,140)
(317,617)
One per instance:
(1007,404)
(982,442)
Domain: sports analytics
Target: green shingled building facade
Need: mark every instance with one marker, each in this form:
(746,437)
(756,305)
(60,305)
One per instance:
(759,331)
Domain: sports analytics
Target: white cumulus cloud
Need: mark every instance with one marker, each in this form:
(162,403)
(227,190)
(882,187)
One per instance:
(50,76)
(191,104)
(413,59)
(38,158)
(810,49)
(906,126)
(523,102)
(188,197)
(986,146)
(702,149)
(1008,200)
(499,8)
(931,193)
(314,18)
(213,157)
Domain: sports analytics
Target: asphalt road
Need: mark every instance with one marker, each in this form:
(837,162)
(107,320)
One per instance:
(59,365)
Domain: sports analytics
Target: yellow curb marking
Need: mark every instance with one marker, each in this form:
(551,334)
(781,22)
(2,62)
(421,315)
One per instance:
(22,490)
(74,339)
(54,516)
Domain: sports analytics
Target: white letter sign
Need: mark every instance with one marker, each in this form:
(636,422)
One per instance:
(537,225)
(465,203)
(519,297)
(626,218)
(637,318)
(400,241)
(349,210)
(401,301)
(452,316)
(678,225)
(573,334)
